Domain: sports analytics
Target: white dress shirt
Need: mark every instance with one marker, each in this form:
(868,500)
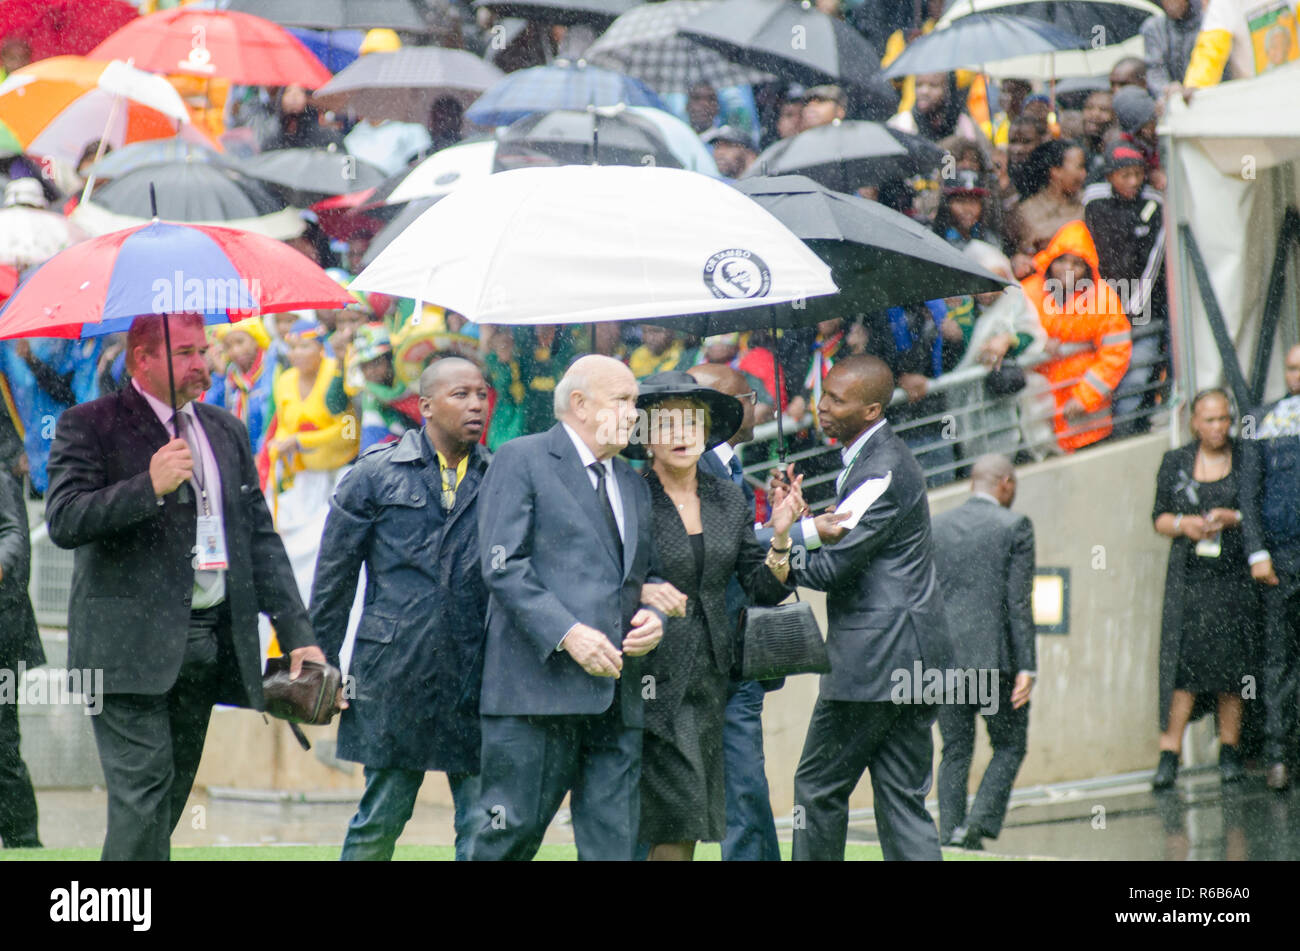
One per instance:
(611,483)
(849,454)
(209,586)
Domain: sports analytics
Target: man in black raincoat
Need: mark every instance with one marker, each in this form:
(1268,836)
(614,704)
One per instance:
(408,513)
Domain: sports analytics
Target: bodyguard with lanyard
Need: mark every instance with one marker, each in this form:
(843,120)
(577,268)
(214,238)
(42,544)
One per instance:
(175,557)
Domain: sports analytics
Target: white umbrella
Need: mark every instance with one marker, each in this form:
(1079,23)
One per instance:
(579,243)
(445,170)
(31,236)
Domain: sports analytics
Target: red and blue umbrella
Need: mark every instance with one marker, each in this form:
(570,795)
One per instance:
(99,286)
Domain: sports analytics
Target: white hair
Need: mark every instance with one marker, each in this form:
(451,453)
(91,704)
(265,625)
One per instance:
(572,381)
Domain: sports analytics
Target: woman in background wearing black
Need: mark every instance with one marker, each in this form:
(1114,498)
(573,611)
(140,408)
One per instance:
(1210,608)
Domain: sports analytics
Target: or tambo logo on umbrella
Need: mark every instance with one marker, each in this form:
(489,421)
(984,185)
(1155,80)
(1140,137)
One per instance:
(737,273)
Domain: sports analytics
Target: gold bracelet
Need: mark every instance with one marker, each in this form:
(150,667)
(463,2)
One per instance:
(774,561)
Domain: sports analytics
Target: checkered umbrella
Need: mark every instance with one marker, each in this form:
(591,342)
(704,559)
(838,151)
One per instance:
(644,43)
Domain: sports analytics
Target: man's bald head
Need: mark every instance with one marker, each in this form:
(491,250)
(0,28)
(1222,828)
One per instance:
(995,475)
(1292,368)
(597,398)
(441,371)
(869,376)
(854,396)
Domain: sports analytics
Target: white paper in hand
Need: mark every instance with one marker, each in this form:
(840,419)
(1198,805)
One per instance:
(861,498)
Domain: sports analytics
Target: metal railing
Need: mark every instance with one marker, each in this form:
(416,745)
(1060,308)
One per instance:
(976,424)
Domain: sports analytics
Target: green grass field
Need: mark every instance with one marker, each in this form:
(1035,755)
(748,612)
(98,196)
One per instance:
(408,853)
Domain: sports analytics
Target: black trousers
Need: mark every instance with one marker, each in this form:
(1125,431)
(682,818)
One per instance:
(529,763)
(890,740)
(1009,735)
(1281,637)
(150,747)
(17,798)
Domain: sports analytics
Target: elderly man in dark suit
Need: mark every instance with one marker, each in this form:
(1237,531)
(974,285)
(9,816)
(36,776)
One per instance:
(564,530)
(408,512)
(984,554)
(172,626)
(885,619)
(20,644)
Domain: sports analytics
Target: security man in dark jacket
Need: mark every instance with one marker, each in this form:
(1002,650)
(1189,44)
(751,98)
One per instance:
(984,556)
(408,513)
(20,643)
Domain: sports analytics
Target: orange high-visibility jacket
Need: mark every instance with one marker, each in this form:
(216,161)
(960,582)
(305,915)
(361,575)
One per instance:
(1093,315)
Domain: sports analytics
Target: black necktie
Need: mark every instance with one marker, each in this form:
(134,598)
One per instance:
(606,505)
(737,471)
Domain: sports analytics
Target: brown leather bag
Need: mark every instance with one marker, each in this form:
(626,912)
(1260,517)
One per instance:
(309,699)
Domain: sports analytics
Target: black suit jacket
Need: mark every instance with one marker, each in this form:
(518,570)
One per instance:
(20,640)
(133,575)
(883,605)
(984,555)
(549,563)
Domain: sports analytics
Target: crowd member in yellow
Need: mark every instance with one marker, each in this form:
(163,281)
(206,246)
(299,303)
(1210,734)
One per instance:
(1240,39)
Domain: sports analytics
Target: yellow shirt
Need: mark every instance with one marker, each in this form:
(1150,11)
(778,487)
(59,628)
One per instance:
(451,478)
(328,441)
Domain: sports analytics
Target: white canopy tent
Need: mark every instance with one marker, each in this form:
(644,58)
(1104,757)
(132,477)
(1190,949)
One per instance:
(1234,233)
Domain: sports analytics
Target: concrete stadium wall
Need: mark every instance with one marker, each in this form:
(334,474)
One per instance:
(1093,710)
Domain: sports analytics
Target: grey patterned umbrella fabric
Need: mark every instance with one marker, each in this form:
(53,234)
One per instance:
(644,43)
(564,12)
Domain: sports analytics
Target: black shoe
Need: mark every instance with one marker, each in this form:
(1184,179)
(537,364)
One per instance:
(966,837)
(1167,771)
(1230,764)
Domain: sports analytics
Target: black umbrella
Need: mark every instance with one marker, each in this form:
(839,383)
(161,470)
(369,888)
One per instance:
(404,84)
(794,40)
(384,237)
(189,192)
(970,41)
(305,176)
(573,137)
(847,154)
(600,13)
(338,14)
(1111,21)
(878,259)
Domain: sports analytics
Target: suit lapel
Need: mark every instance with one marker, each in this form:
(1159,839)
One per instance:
(578,483)
(144,420)
(713,520)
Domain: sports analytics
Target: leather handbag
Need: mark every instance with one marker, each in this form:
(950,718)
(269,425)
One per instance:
(782,641)
(309,699)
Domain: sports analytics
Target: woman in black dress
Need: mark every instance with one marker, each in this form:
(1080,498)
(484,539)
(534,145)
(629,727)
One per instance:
(1210,607)
(704,534)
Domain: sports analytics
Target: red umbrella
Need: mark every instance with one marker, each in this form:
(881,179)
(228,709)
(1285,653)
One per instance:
(216,44)
(63,27)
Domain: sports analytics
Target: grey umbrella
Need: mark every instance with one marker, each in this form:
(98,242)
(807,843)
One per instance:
(564,12)
(338,14)
(305,176)
(844,155)
(573,137)
(404,84)
(796,41)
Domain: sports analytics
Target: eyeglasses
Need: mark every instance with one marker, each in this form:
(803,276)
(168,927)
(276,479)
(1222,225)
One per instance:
(751,398)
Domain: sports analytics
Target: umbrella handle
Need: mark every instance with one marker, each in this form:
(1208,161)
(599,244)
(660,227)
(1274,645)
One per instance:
(99,152)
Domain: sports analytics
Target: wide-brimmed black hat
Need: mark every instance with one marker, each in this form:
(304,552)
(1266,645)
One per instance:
(725,412)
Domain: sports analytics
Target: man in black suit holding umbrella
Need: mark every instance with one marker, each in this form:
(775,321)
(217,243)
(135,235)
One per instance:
(885,619)
(173,628)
